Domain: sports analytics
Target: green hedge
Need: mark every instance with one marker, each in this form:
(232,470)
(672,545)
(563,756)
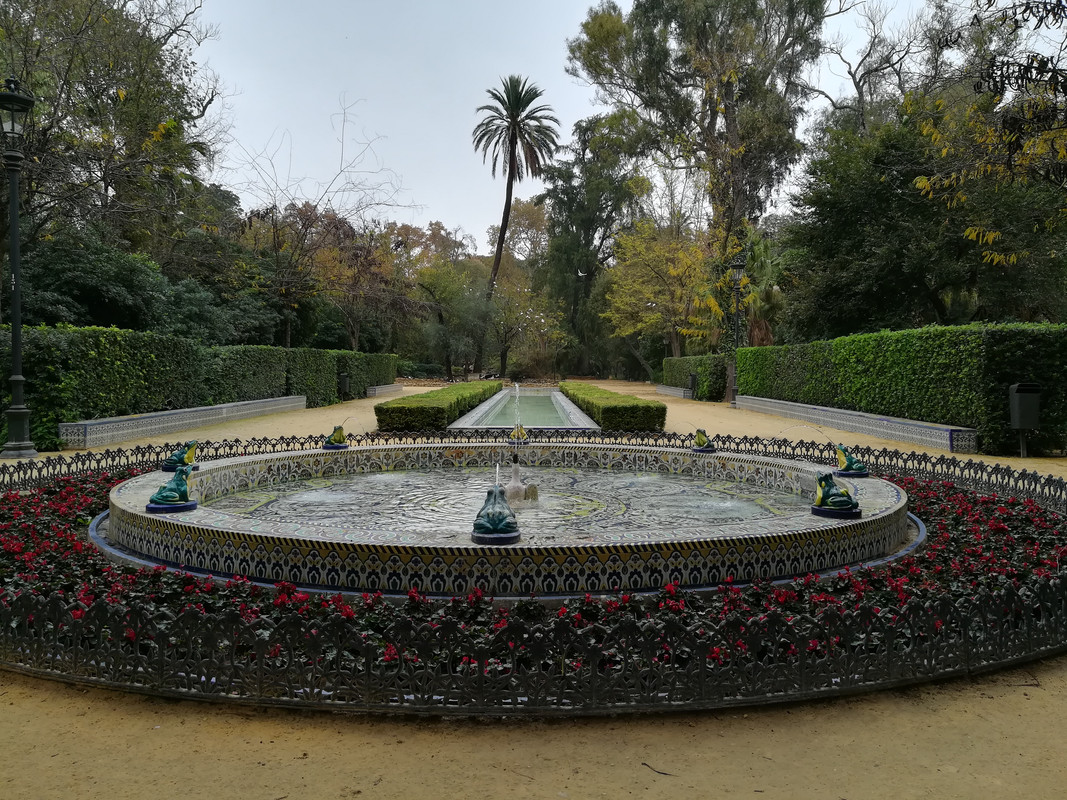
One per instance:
(436,410)
(363,370)
(710,370)
(245,372)
(381,369)
(950,375)
(92,373)
(413,369)
(89,373)
(616,412)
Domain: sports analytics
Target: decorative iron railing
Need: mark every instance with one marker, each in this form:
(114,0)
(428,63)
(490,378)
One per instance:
(536,668)
(539,669)
(1047,490)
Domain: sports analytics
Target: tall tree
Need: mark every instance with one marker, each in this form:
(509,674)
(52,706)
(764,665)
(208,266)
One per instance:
(521,134)
(588,199)
(716,85)
(121,129)
(657,283)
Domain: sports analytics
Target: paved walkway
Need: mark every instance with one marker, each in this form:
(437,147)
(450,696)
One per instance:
(683,416)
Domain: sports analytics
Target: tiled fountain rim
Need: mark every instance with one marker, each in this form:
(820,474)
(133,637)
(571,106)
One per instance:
(578,419)
(227,476)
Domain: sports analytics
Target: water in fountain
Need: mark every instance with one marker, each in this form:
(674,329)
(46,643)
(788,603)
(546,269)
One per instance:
(516,491)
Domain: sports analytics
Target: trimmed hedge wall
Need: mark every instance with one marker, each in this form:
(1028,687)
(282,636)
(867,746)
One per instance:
(616,412)
(245,372)
(313,373)
(91,373)
(951,375)
(381,369)
(710,370)
(363,370)
(436,410)
(88,373)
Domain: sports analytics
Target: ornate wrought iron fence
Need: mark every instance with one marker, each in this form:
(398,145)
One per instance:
(1047,490)
(524,668)
(545,668)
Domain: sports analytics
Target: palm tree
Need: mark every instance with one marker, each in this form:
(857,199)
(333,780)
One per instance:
(522,138)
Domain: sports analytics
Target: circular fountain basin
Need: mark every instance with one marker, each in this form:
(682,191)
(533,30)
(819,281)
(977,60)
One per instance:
(610,518)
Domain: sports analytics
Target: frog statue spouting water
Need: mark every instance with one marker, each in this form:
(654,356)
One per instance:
(495,523)
(186,454)
(846,462)
(702,443)
(336,440)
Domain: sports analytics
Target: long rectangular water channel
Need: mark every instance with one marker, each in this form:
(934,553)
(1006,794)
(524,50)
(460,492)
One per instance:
(537,408)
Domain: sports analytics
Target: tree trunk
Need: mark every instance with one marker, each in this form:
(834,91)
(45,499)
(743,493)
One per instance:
(676,343)
(479,352)
(353,335)
(641,359)
(504,361)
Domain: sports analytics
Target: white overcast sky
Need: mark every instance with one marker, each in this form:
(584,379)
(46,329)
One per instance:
(413,72)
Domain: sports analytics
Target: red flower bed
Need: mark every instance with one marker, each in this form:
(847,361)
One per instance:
(974,542)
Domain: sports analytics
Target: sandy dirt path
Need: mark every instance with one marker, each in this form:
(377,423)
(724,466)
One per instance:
(998,735)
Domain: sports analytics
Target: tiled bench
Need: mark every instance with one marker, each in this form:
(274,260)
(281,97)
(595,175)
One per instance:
(676,391)
(96,432)
(944,437)
(388,388)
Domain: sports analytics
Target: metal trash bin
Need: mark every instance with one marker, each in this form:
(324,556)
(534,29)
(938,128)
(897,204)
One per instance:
(343,385)
(1024,400)
(693,385)
(1024,403)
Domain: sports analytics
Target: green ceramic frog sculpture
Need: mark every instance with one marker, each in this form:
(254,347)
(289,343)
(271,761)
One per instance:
(186,454)
(830,495)
(174,491)
(337,437)
(847,462)
(496,515)
(701,440)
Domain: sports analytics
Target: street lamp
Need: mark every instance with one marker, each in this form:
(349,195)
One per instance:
(737,275)
(15,107)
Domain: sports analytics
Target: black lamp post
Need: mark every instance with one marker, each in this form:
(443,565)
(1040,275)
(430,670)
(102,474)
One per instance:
(15,107)
(737,275)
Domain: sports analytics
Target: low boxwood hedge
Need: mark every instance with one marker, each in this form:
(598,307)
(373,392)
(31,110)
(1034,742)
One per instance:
(436,410)
(616,412)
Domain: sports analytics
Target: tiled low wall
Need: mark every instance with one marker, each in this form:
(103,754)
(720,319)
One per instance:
(676,391)
(387,388)
(96,432)
(212,541)
(945,437)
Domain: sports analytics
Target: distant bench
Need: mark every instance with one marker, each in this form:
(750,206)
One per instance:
(388,388)
(676,391)
(944,437)
(96,432)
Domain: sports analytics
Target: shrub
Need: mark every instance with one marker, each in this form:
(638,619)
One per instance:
(313,373)
(436,410)
(381,369)
(413,369)
(245,372)
(91,373)
(949,375)
(710,370)
(616,412)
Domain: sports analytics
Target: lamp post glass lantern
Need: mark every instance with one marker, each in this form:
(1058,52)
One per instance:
(737,268)
(737,276)
(15,107)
